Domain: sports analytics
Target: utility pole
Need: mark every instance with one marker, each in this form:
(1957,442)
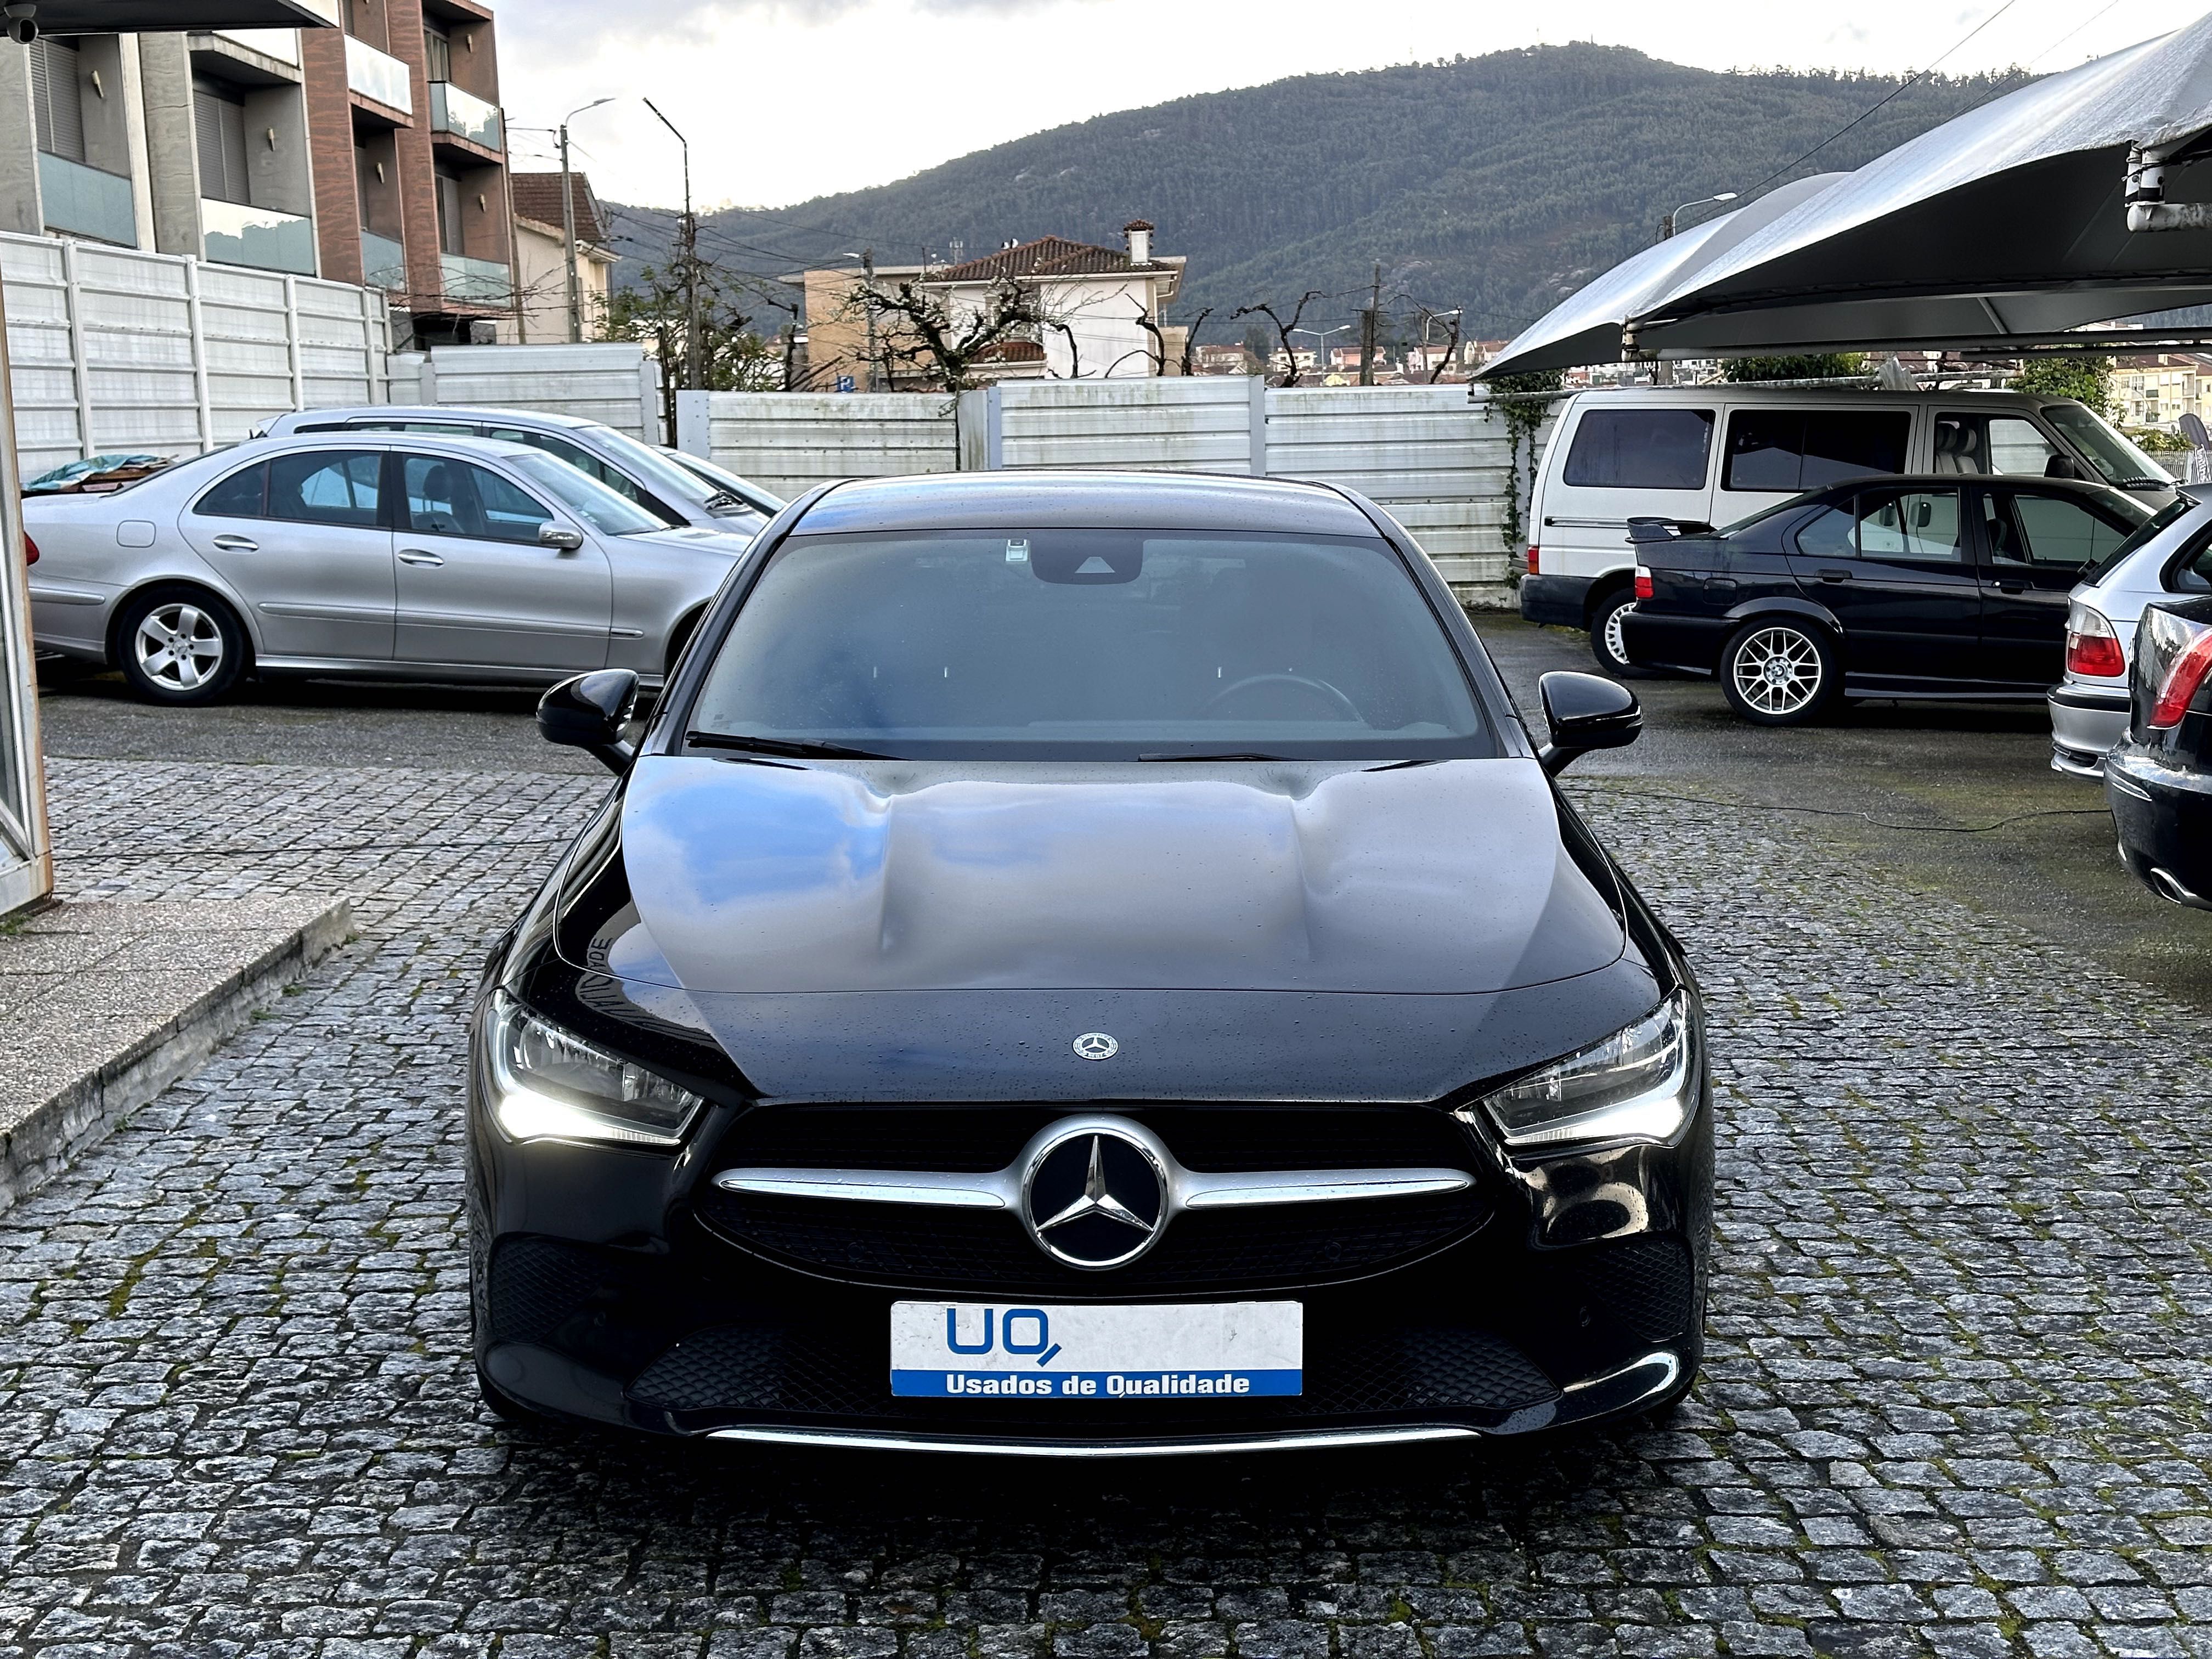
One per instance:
(1367,330)
(568,225)
(687,232)
(868,272)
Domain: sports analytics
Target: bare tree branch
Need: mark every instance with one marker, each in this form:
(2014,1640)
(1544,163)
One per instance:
(1285,330)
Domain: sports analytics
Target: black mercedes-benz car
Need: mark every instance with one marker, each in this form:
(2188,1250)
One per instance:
(2158,779)
(1937,587)
(1087,963)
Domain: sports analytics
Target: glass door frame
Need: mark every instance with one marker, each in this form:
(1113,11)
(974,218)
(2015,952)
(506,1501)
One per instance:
(27,862)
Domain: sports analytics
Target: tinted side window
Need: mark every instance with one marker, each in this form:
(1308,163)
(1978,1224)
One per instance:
(1640,449)
(1830,534)
(238,496)
(1843,444)
(2052,530)
(327,487)
(457,498)
(2192,572)
(1790,449)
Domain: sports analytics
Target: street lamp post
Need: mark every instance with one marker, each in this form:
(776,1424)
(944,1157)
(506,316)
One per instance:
(866,256)
(1320,335)
(1666,224)
(693,346)
(568,225)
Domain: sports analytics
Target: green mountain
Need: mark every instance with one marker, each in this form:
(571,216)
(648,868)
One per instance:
(1496,185)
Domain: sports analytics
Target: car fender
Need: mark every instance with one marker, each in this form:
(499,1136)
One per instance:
(1786,604)
(191,571)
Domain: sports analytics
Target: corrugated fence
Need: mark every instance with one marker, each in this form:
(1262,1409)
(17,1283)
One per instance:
(113,350)
(1428,454)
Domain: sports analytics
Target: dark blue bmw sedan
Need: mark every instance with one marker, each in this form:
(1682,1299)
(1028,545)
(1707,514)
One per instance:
(1087,963)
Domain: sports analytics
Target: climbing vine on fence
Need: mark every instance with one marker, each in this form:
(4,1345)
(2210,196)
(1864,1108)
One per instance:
(1524,418)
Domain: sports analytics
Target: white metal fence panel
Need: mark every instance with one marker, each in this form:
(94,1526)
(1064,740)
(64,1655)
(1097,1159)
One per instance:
(1207,423)
(116,349)
(1432,457)
(1423,453)
(611,382)
(790,442)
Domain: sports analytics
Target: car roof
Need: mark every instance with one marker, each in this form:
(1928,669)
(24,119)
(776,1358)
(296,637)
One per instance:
(1040,498)
(1953,480)
(425,441)
(439,412)
(1596,396)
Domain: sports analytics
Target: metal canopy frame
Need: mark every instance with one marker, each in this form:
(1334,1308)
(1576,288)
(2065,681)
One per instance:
(169,17)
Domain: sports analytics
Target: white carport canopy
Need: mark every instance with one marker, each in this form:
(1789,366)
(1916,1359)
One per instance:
(2005,227)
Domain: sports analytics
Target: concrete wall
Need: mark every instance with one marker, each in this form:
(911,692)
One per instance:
(165,67)
(19,157)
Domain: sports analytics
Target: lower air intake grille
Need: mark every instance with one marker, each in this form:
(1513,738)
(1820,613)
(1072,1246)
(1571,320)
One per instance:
(816,1374)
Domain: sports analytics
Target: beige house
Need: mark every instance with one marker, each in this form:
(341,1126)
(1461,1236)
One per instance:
(541,267)
(1096,300)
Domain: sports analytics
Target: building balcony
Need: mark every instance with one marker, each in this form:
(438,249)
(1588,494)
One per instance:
(282,45)
(464,115)
(86,202)
(233,234)
(377,76)
(477,282)
(383,262)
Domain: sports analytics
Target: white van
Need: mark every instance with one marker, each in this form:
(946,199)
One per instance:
(1702,456)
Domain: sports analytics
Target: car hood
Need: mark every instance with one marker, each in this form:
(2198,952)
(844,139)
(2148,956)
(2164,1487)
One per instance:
(766,879)
(697,538)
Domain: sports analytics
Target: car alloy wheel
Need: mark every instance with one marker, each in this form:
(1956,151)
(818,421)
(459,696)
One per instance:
(180,646)
(1776,674)
(1609,640)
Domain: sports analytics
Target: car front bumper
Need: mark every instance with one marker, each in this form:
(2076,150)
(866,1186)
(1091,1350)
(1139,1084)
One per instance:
(616,1286)
(2164,819)
(2085,722)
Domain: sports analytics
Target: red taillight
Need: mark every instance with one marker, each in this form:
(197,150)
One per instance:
(2095,656)
(1532,562)
(2182,681)
(30,551)
(1643,583)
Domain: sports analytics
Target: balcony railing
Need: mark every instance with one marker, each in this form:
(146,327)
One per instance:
(85,201)
(464,115)
(477,282)
(233,234)
(383,261)
(377,74)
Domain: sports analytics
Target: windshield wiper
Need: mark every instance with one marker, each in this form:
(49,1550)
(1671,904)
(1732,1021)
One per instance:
(750,745)
(1226,755)
(2139,483)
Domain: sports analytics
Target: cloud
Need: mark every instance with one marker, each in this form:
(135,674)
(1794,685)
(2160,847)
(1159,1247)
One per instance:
(694,21)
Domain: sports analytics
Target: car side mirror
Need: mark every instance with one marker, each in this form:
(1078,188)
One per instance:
(589,713)
(1585,712)
(2063,466)
(559,536)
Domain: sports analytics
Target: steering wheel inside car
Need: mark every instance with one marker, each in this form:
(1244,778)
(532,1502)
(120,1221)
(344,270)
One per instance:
(1340,705)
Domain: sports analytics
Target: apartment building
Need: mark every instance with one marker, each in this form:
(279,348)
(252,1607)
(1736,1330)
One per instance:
(192,142)
(371,152)
(410,155)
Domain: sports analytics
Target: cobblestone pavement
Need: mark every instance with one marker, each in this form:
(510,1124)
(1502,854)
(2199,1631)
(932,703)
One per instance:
(1956,1400)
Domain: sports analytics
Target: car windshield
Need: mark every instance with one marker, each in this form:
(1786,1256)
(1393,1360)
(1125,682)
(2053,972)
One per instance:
(587,497)
(2117,461)
(2149,531)
(649,466)
(1090,644)
(728,483)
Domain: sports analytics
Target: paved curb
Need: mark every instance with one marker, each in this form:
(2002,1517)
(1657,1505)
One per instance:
(39,1141)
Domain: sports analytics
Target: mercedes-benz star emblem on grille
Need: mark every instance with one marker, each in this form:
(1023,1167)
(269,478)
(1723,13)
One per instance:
(1096,1045)
(1094,1198)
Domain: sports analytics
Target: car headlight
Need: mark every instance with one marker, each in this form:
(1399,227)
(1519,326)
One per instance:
(1639,1083)
(550,1085)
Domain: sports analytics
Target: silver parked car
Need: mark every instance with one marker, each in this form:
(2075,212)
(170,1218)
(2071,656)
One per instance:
(376,553)
(2170,555)
(672,490)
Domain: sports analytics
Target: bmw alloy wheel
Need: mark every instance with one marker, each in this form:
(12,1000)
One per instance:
(1778,671)
(179,647)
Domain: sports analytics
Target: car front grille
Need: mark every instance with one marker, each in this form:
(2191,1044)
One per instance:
(974,1250)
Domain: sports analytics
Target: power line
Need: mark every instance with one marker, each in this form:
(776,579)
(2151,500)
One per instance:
(1903,87)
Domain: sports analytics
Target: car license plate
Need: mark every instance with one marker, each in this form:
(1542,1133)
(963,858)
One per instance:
(1084,1351)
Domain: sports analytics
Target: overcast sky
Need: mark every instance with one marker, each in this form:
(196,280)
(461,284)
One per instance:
(786,98)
